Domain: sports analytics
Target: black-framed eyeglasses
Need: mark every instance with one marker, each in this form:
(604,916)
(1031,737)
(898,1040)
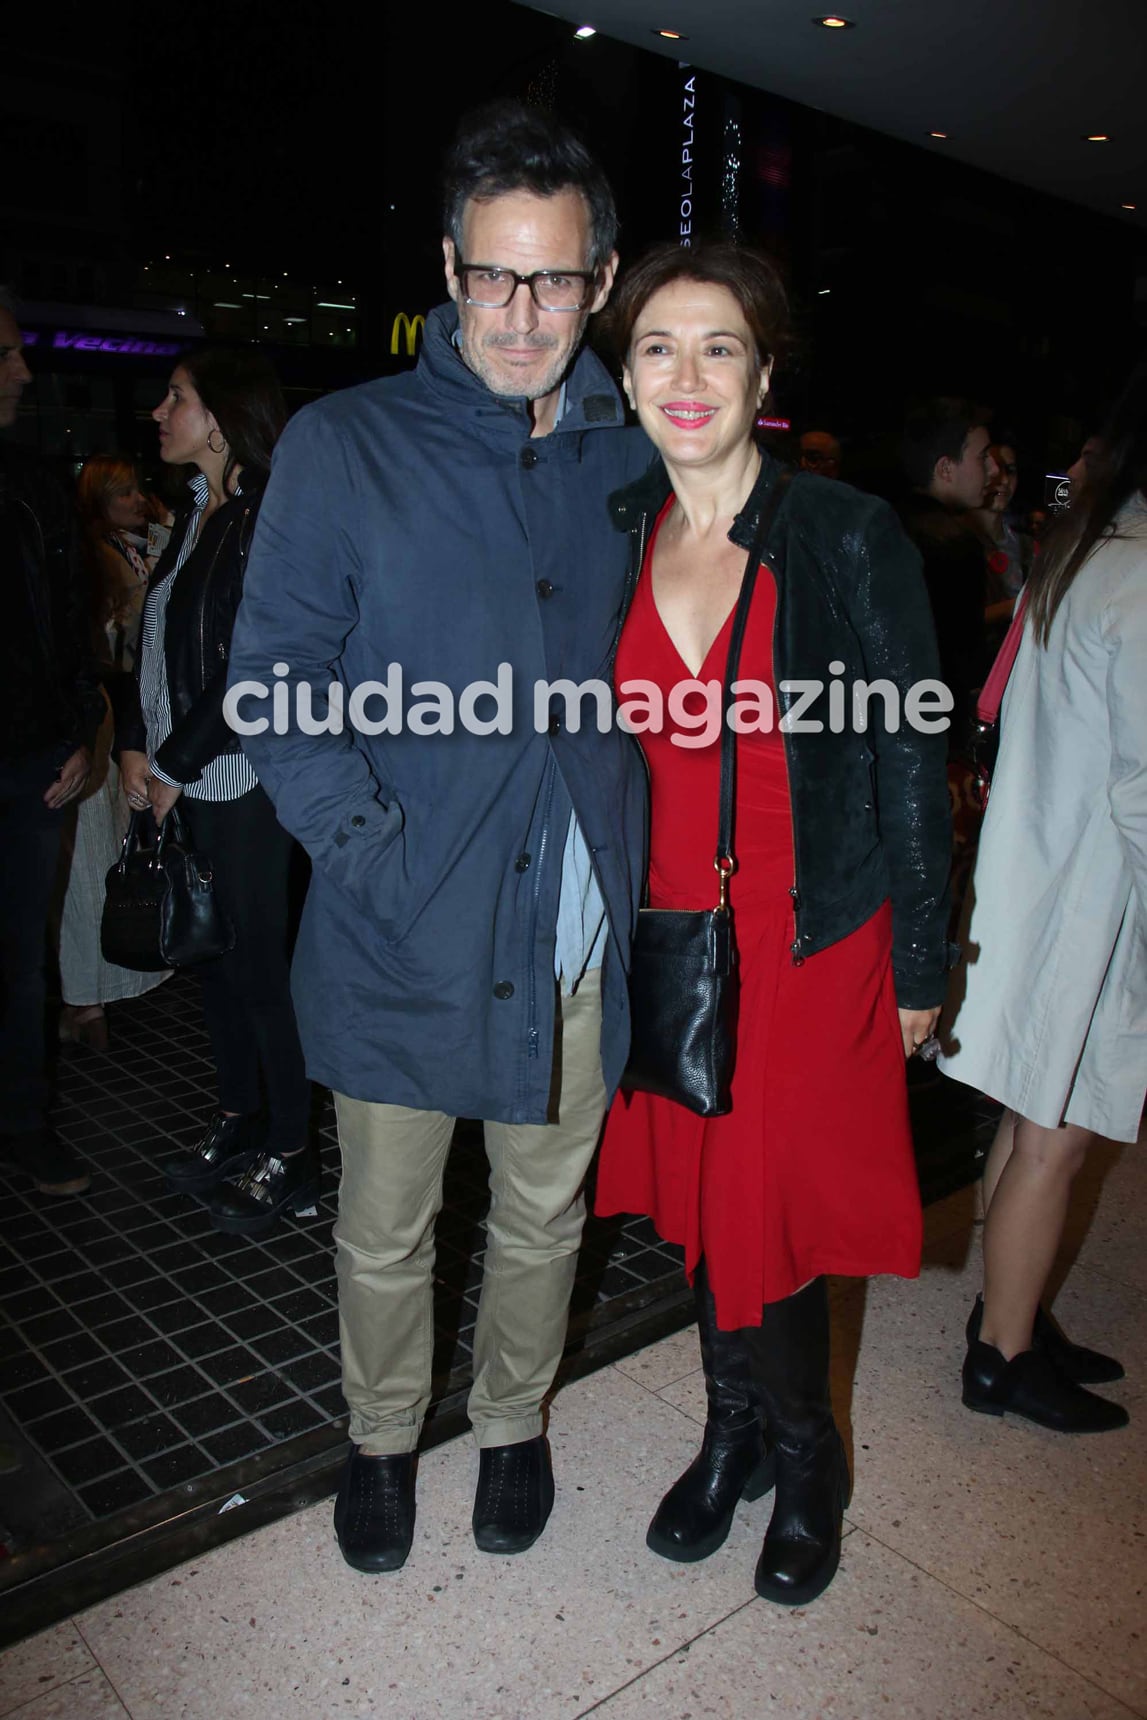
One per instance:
(551,289)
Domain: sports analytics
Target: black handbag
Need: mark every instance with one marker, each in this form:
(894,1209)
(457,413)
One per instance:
(160,909)
(683,981)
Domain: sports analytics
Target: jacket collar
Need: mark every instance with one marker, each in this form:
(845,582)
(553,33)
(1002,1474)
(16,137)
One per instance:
(591,400)
(646,496)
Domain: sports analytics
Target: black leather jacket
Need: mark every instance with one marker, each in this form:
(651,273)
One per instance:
(197,638)
(52,681)
(870,810)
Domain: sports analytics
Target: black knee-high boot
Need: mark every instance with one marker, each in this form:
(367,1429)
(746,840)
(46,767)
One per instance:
(695,1515)
(789,1353)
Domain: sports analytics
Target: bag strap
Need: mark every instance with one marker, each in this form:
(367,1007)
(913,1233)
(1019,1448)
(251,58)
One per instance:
(725,862)
(133,838)
(992,692)
(173,829)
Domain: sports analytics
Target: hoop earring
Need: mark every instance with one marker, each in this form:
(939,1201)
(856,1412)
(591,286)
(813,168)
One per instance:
(222,449)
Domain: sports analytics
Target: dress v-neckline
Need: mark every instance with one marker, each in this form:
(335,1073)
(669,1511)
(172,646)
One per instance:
(695,674)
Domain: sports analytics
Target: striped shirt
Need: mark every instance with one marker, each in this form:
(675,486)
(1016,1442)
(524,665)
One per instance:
(229,775)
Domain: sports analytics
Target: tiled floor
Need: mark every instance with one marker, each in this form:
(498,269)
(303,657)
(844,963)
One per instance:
(150,1366)
(990,1568)
(139,1349)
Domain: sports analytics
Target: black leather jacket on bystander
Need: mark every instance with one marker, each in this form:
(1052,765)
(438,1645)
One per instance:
(197,633)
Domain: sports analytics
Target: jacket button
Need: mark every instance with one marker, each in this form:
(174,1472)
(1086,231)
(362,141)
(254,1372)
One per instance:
(357,821)
(503,990)
(522,863)
(555,724)
(545,589)
(529,458)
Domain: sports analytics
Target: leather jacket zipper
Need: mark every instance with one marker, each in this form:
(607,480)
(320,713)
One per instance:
(203,676)
(794,888)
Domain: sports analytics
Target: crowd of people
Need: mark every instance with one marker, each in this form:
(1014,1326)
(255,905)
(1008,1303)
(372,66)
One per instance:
(473,891)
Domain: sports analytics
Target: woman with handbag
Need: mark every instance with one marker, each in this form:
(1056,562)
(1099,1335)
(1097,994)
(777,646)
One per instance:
(1048,1009)
(839,860)
(113,520)
(223,413)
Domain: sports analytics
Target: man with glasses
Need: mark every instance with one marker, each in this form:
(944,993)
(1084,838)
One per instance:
(463,947)
(820,453)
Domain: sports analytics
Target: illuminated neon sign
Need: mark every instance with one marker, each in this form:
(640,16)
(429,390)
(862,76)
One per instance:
(410,327)
(77,341)
(689,102)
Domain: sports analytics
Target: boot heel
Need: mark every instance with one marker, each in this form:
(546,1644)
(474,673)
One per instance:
(763,1479)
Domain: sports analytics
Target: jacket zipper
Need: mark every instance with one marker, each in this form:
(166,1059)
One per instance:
(794,887)
(203,677)
(633,574)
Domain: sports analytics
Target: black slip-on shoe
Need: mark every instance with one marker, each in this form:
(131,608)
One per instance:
(374,1511)
(515,1496)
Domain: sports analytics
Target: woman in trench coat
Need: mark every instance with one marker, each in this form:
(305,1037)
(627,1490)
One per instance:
(1048,1010)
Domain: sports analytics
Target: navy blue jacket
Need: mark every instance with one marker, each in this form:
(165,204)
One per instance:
(414,521)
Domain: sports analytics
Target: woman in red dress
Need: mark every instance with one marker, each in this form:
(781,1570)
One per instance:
(839,911)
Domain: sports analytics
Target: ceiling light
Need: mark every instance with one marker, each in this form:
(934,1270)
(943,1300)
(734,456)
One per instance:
(671,35)
(834,21)
(821,291)
(942,134)
(1127,205)
(585,32)
(1097,137)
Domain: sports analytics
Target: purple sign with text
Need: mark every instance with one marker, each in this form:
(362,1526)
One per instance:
(78,341)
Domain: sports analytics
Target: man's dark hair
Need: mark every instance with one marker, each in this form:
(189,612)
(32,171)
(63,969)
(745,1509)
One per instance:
(506,146)
(241,391)
(936,430)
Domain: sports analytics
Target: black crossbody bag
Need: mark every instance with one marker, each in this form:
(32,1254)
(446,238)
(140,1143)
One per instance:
(683,980)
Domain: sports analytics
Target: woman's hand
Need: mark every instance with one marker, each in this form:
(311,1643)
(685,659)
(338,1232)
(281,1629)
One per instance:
(917,1025)
(72,775)
(163,797)
(135,779)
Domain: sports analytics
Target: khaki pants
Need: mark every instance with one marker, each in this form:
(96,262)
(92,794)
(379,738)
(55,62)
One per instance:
(393,1163)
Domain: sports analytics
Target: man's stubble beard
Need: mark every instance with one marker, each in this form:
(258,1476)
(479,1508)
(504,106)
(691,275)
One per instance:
(500,383)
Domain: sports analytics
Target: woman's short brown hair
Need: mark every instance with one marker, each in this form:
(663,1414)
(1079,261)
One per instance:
(100,477)
(750,277)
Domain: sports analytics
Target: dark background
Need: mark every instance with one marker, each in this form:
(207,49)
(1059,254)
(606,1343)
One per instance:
(305,142)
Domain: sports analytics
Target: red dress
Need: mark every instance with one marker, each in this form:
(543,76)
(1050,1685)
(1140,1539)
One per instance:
(812,1170)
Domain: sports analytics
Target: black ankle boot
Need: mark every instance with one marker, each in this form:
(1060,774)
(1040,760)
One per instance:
(227,1145)
(696,1514)
(1031,1386)
(252,1203)
(789,1353)
(1082,1366)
